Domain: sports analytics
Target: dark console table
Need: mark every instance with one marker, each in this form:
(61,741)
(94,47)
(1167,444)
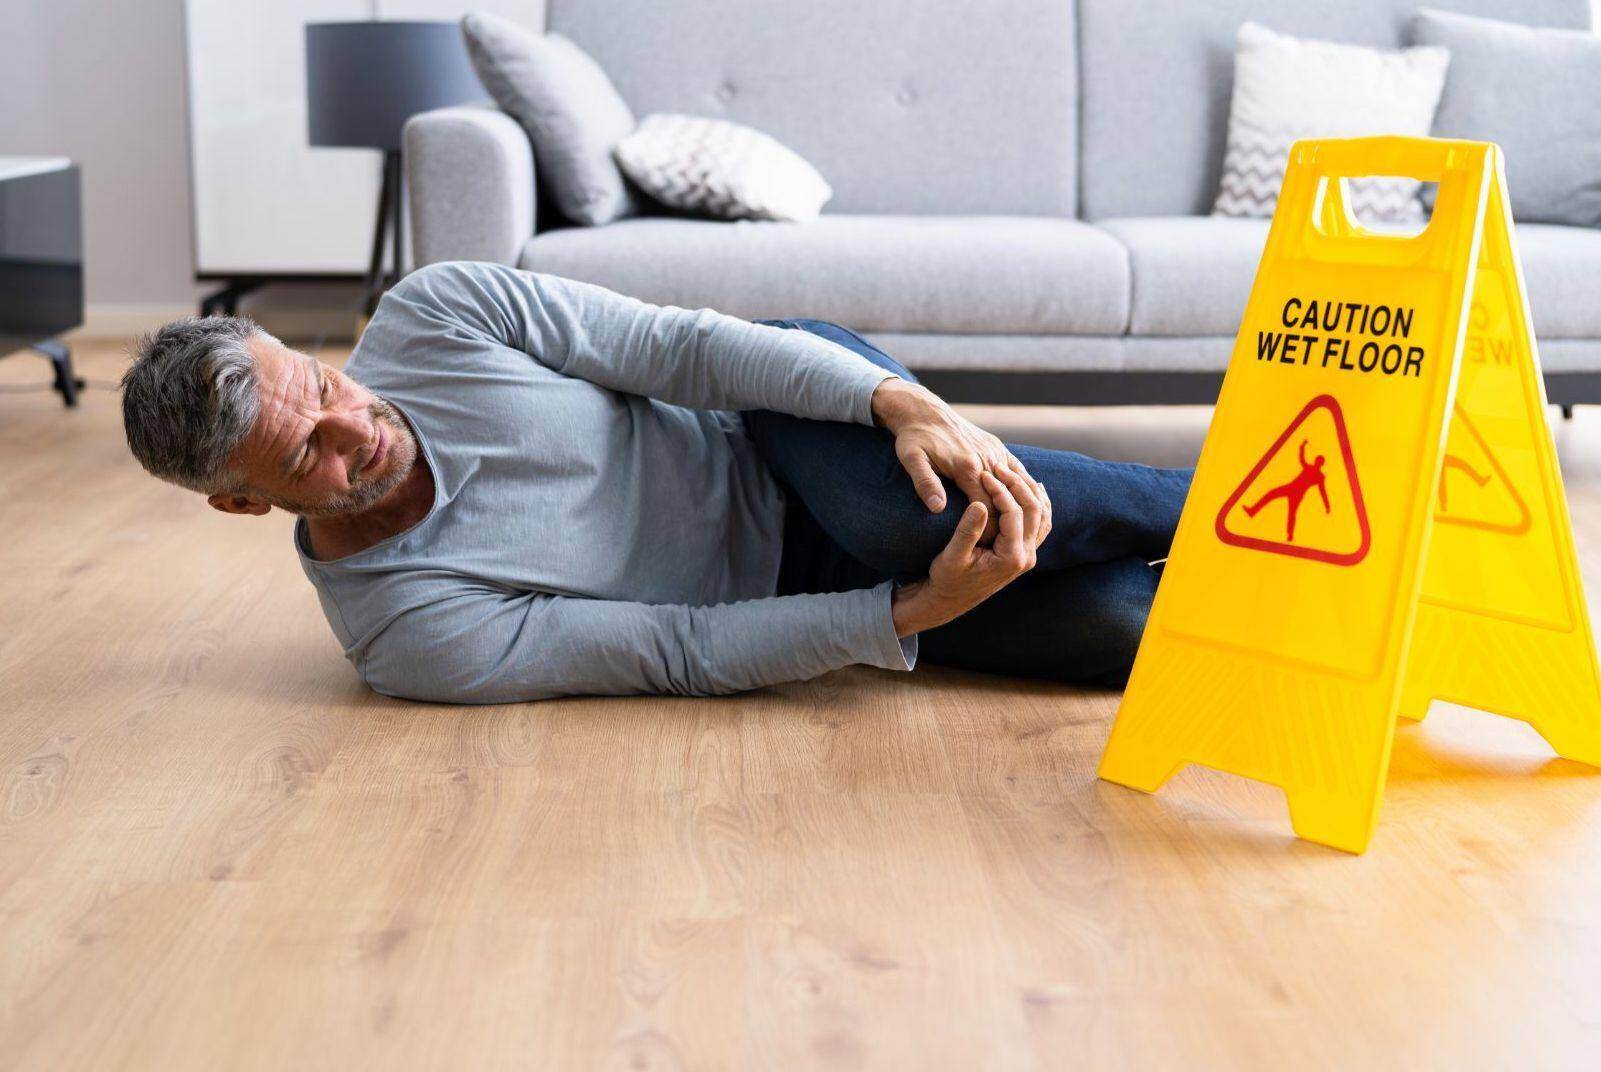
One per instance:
(41,261)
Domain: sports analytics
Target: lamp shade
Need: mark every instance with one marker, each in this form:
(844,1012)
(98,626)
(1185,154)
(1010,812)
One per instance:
(365,79)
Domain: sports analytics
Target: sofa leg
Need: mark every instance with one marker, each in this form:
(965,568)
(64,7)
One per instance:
(1567,413)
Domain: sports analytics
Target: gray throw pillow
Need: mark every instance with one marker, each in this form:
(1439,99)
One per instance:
(572,112)
(1537,94)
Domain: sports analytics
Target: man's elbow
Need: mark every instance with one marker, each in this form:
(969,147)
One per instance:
(443,678)
(423,688)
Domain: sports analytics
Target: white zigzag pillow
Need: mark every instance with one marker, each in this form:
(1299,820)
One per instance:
(1287,88)
(720,169)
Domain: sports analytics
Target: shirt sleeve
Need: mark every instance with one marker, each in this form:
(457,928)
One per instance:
(485,646)
(690,357)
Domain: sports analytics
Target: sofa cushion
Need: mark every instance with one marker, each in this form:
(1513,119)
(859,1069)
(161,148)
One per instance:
(1288,88)
(1131,353)
(569,107)
(723,170)
(1156,84)
(1560,268)
(903,105)
(1193,274)
(1548,127)
(1028,274)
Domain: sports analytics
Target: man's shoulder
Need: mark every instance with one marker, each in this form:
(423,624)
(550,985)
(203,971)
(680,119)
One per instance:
(444,281)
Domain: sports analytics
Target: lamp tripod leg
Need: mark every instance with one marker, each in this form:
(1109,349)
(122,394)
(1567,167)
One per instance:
(396,206)
(388,195)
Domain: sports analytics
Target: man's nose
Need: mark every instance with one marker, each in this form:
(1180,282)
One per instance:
(347,431)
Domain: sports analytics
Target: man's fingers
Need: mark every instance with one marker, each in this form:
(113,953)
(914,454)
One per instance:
(1028,498)
(1019,468)
(969,528)
(1010,541)
(972,485)
(925,481)
(1044,499)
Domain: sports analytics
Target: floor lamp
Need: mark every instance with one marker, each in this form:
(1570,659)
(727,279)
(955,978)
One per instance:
(363,81)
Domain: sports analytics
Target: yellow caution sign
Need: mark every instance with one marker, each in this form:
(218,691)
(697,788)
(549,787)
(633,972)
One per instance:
(1377,519)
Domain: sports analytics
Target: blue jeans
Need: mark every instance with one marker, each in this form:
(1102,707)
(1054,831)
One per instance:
(853,520)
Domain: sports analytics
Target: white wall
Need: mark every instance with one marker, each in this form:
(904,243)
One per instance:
(103,83)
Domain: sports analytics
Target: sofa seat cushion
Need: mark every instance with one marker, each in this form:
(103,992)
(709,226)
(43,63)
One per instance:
(1193,274)
(1562,270)
(959,274)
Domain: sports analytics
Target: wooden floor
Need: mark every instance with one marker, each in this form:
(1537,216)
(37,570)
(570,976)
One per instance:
(219,851)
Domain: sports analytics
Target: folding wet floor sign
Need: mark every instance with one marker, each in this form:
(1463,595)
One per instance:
(1377,519)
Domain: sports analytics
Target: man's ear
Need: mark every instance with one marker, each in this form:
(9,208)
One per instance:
(238,504)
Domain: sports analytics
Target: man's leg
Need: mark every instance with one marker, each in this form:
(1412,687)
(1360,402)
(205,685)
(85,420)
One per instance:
(855,486)
(1081,624)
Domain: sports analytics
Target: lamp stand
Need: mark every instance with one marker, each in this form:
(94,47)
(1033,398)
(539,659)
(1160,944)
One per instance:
(387,224)
(386,227)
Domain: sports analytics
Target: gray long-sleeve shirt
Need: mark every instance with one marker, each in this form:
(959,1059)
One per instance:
(601,522)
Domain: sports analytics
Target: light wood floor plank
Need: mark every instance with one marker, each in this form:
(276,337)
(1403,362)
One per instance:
(218,850)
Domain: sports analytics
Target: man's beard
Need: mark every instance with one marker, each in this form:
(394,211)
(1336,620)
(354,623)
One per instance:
(366,493)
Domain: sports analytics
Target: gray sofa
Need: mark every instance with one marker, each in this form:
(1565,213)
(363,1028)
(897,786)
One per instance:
(1021,187)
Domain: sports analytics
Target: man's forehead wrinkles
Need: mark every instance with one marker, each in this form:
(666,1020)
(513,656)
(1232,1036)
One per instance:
(278,426)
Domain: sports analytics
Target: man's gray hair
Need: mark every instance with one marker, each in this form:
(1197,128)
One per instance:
(190,399)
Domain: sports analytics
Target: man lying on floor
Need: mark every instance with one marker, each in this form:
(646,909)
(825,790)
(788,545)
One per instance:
(523,486)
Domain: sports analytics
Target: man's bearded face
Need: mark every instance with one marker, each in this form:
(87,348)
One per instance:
(322,445)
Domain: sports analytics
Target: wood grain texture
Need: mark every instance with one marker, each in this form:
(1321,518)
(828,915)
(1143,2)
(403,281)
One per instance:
(218,850)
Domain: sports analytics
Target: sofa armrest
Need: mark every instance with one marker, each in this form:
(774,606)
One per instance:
(470,170)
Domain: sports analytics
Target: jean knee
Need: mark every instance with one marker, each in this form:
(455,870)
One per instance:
(901,537)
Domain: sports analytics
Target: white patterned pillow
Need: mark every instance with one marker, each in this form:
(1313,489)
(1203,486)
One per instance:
(720,169)
(1287,88)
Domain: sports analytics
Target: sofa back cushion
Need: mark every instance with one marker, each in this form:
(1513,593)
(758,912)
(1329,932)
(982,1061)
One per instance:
(904,106)
(1157,75)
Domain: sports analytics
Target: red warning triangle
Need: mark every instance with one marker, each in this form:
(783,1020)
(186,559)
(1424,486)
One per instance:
(1303,498)
(1474,490)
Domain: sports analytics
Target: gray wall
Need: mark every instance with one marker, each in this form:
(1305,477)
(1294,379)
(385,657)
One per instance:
(102,81)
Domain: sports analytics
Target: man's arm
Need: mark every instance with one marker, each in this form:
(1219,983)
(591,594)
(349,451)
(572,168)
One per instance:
(488,646)
(485,645)
(699,358)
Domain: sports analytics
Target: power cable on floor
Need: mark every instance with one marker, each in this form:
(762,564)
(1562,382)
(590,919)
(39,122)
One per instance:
(41,388)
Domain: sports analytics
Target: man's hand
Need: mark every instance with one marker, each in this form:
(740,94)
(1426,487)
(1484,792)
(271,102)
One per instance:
(932,439)
(965,574)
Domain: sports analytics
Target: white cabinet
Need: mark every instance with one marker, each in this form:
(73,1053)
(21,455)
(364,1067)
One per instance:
(266,202)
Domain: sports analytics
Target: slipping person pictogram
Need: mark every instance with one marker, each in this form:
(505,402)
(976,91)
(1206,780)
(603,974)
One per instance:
(1311,476)
(1339,536)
